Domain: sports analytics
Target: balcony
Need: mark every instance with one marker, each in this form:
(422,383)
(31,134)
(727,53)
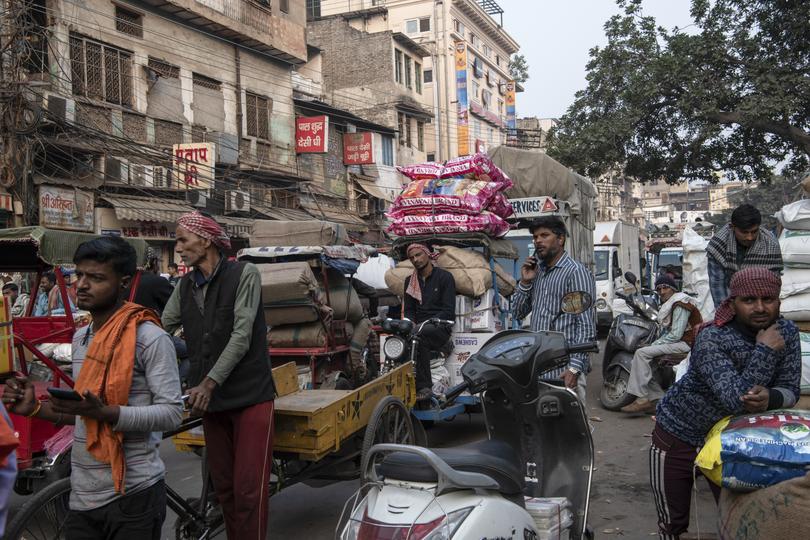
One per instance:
(251,23)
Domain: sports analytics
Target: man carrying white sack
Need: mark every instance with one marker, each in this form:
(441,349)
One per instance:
(679,318)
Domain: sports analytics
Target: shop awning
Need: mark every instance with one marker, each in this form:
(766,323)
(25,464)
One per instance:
(146,209)
(385,194)
(236,227)
(352,221)
(281,214)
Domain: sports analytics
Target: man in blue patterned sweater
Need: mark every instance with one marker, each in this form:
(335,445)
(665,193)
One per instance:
(748,360)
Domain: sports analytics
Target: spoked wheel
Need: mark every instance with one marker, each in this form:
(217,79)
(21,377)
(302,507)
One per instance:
(390,422)
(43,517)
(614,394)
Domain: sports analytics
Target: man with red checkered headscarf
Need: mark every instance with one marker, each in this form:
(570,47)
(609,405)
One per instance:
(747,360)
(219,305)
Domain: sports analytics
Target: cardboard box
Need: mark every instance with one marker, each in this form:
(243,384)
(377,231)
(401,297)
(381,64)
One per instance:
(465,345)
(486,313)
(463,312)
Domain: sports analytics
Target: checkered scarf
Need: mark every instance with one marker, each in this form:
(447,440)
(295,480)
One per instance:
(765,252)
(755,281)
(205,227)
(414,288)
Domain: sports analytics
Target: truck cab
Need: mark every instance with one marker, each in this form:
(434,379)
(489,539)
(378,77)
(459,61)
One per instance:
(616,251)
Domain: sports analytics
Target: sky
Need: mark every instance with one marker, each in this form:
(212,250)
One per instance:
(555,38)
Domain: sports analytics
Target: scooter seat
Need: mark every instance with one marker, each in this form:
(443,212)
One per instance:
(495,459)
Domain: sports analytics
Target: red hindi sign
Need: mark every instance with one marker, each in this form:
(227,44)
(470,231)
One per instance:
(312,135)
(357,149)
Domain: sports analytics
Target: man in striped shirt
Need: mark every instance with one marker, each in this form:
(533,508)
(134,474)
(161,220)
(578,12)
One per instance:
(545,278)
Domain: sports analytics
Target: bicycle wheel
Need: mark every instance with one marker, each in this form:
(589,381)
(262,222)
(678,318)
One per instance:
(43,517)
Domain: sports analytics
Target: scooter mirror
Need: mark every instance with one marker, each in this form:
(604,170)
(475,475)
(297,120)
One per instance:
(576,302)
(630,277)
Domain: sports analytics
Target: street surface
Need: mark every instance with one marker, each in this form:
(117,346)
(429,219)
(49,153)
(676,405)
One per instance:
(621,501)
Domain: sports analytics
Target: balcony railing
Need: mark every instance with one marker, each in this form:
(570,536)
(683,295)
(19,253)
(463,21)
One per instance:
(254,14)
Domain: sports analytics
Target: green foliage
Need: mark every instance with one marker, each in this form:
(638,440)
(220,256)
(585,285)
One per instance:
(519,68)
(730,93)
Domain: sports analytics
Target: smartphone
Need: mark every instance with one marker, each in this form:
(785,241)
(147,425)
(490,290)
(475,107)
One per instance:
(62,393)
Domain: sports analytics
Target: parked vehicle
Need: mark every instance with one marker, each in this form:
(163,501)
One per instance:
(616,250)
(538,445)
(628,334)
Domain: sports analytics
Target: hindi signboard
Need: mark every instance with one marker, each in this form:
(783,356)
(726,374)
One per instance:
(357,149)
(312,134)
(68,209)
(194,165)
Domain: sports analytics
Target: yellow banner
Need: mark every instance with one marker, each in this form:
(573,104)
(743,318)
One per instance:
(6,337)
(461,97)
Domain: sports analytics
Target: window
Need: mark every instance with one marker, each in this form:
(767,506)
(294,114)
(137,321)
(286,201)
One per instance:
(500,106)
(473,40)
(388,150)
(398,66)
(100,71)
(412,26)
(313,9)
(431,157)
(258,115)
(486,98)
(498,60)
(401,127)
(428,76)
(128,22)
(458,26)
(408,78)
(420,136)
(475,89)
(417,76)
(206,82)
(208,104)
(408,134)
(284,6)
(487,50)
(424,24)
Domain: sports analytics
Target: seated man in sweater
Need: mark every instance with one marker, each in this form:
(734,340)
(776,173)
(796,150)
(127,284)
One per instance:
(679,317)
(748,360)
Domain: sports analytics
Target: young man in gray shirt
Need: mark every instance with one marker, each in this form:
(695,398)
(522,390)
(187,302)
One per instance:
(117,478)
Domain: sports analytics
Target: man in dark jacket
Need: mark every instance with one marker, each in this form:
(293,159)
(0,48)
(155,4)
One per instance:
(430,293)
(219,305)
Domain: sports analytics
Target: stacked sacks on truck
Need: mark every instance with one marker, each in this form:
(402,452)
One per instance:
(464,194)
(794,242)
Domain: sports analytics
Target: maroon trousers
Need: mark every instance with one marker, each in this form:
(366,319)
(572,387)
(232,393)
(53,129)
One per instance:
(672,476)
(240,453)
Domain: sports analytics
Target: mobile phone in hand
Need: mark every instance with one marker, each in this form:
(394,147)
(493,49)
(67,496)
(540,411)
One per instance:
(62,393)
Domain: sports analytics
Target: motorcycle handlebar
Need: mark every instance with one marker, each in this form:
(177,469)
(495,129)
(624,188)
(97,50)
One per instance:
(454,392)
(588,346)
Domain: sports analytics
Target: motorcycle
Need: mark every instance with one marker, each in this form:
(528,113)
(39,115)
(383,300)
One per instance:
(539,445)
(403,343)
(628,333)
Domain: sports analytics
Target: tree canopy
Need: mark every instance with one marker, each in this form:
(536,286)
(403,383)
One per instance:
(519,68)
(729,93)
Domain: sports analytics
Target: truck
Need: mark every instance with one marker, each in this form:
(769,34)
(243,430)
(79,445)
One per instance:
(544,187)
(617,249)
(665,252)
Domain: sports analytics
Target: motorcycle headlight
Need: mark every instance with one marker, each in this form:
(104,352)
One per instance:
(394,347)
(601,304)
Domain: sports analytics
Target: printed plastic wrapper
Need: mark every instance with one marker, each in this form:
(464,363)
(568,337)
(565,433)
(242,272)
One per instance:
(477,166)
(436,196)
(485,222)
(754,451)
(501,207)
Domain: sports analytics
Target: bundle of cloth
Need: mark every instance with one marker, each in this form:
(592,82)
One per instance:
(465,194)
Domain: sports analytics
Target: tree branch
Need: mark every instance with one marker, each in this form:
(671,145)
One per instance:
(784,130)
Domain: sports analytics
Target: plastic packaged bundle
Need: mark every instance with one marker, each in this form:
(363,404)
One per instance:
(484,222)
(438,196)
(501,207)
(477,166)
(754,451)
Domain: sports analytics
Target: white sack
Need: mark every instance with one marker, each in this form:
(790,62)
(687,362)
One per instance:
(795,281)
(795,247)
(372,272)
(795,216)
(796,307)
(696,272)
(804,338)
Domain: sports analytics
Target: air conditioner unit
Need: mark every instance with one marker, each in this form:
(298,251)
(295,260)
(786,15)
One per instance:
(142,175)
(116,170)
(237,201)
(362,207)
(161,177)
(198,197)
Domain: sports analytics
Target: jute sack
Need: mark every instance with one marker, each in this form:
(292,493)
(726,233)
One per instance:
(297,233)
(297,335)
(288,283)
(343,299)
(778,511)
(291,315)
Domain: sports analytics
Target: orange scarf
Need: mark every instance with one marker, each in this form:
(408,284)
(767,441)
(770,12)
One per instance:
(107,372)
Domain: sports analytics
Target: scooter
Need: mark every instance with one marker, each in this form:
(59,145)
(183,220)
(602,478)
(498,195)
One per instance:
(628,333)
(539,445)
